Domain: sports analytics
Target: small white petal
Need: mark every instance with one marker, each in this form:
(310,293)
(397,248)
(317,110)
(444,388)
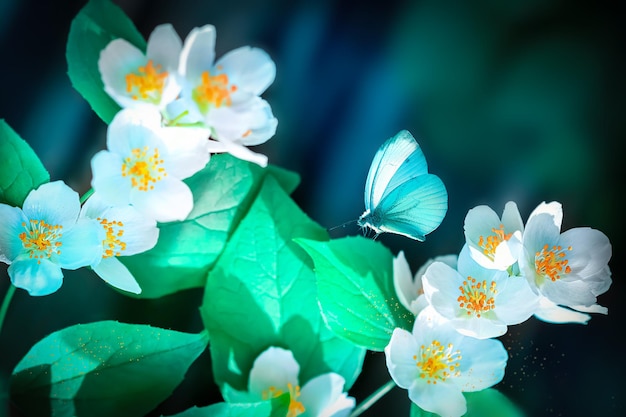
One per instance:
(552,313)
(114,273)
(53,202)
(10,229)
(250,69)
(321,393)
(38,277)
(170,200)
(275,367)
(198,52)
(81,245)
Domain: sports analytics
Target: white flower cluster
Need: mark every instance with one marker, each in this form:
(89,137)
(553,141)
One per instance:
(177,107)
(505,273)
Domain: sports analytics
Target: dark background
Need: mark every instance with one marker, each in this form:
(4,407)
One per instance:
(517,100)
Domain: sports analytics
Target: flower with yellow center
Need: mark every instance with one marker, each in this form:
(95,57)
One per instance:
(409,288)
(136,79)
(145,163)
(45,236)
(567,269)
(126,232)
(224,95)
(275,372)
(493,242)
(436,364)
(479,302)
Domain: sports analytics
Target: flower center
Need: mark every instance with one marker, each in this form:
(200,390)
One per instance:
(552,262)
(490,244)
(147,83)
(213,91)
(477,297)
(41,240)
(437,362)
(143,168)
(295,407)
(113,246)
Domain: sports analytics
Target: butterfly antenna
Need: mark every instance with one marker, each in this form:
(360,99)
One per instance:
(341,225)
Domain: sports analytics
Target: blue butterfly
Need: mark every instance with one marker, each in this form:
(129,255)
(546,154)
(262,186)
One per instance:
(400,195)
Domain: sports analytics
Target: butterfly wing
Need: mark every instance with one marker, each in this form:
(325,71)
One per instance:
(414,208)
(399,159)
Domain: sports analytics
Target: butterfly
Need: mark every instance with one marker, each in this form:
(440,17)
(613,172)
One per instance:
(400,195)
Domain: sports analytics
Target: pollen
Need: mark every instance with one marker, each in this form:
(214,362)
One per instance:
(552,262)
(477,297)
(147,83)
(437,362)
(491,242)
(213,91)
(41,240)
(112,243)
(144,168)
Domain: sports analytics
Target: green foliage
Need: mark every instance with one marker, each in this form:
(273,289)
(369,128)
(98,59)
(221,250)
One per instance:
(103,369)
(262,293)
(276,407)
(223,192)
(355,290)
(97,24)
(21,170)
(485,403)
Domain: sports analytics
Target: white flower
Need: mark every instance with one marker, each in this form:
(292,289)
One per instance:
(134,79)
(224,95)
(570,268)
(494,243)
(275,371)
(409,288)
(436,364)
(144,166)
(46,235)
(479,302)
(127,232)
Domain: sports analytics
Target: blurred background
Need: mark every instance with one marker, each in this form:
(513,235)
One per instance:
(516,100)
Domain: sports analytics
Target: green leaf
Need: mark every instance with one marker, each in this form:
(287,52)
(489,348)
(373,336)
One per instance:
(486,403)
(276,407)
(21,170)
(186,250)
(355,290)
(262,293)
(97,24)
(103,369)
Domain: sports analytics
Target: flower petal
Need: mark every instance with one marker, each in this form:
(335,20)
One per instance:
(114,273)
(320,395)
(444,399)
(399,356)
(250,69)
(10,229)
(37,276)
(164,47)
(53,202)
(81,245)
(170,200)
(552,313)
(198,52)
(275,367)
(107,180)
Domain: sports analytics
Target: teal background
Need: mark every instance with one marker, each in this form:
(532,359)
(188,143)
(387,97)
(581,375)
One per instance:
(516,100)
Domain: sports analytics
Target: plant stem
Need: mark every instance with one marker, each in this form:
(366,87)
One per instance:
(371,400)
(5,304)
(86,196)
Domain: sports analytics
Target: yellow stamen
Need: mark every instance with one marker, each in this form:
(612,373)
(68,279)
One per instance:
(476,297)
(143,169)
(213,91)
(295,407)
(41,240)
(437,362)
(552,262)
(113,246)
(490,244)
(147,83)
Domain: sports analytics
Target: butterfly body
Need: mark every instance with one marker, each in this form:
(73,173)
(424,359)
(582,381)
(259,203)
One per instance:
(400,195)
